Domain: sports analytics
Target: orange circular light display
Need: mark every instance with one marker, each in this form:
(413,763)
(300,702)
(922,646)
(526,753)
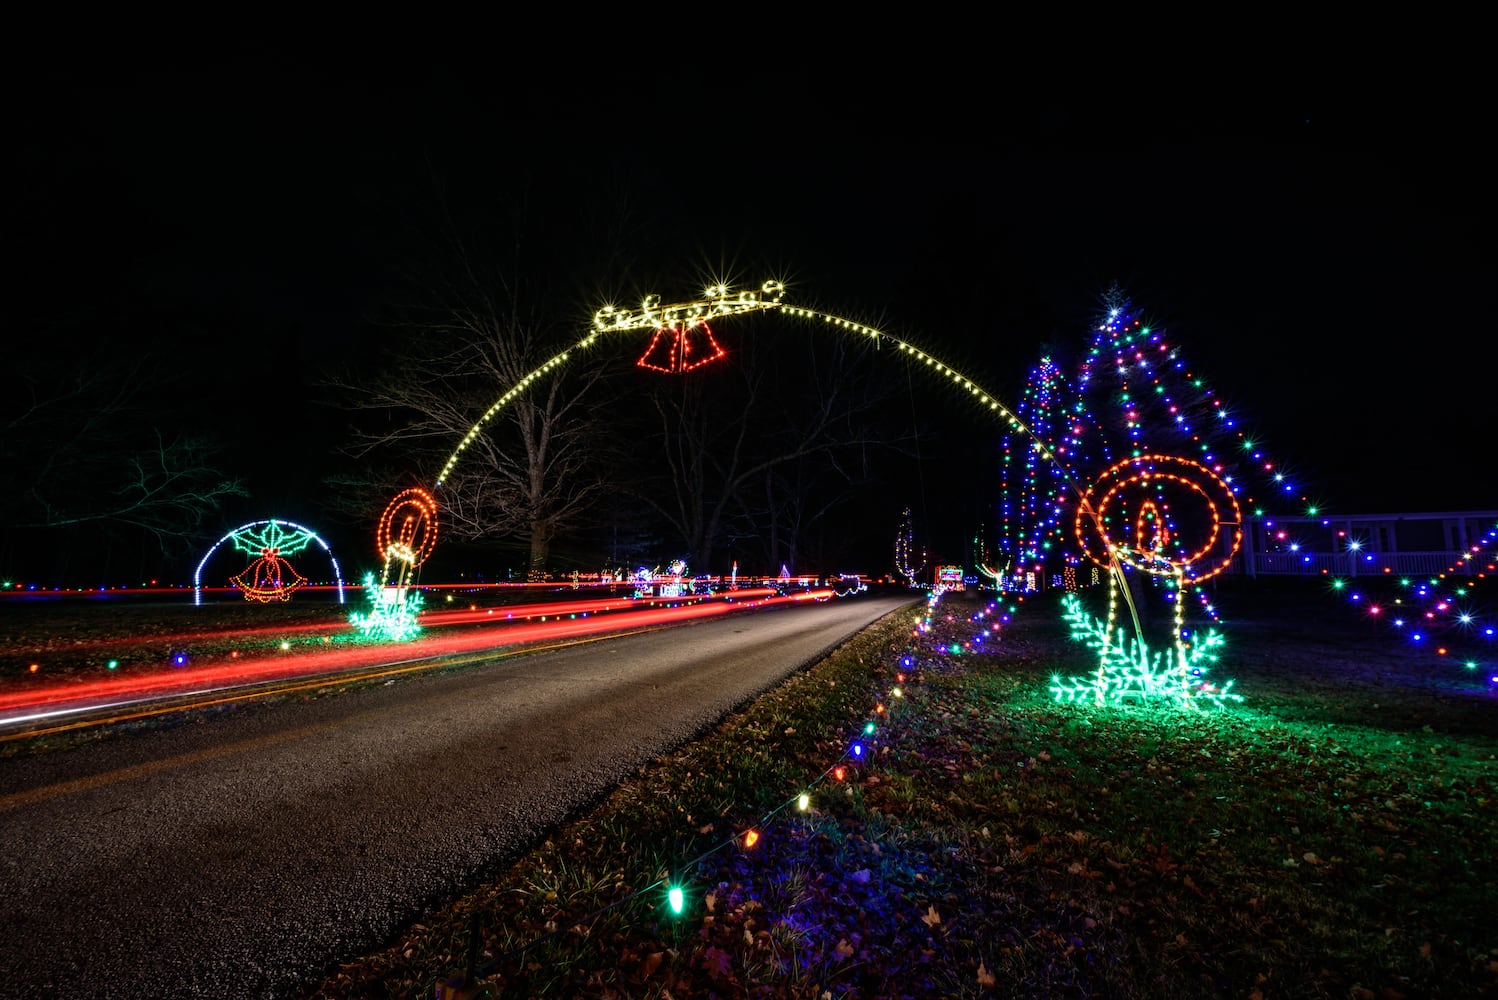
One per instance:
(408,528)
(1163,515)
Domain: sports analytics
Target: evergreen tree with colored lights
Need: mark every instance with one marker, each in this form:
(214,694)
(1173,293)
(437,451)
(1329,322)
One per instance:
(1131,394)
(909,561)
(1033,526)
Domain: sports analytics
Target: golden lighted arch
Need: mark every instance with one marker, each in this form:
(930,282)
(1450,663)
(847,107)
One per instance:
(721,301)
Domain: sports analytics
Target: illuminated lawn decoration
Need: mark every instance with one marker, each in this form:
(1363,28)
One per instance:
(908,560)
(1129,670)
(1165,517)
(270,577)
(270,541)
(1132,393)
(392,613)
(406,535)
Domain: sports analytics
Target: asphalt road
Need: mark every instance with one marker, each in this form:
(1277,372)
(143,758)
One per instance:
(245,854)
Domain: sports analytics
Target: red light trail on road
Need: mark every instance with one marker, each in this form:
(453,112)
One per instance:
(226,671)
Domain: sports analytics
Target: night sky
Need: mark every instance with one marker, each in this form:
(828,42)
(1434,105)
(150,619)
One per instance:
(1321,258)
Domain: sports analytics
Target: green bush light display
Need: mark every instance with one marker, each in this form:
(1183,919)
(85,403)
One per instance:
(1128,669)
(392,615)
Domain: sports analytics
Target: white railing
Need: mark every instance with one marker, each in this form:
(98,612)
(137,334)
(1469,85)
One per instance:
(1373,545)
(1349,564)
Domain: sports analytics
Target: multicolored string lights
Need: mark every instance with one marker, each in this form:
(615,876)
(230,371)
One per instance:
(674,893)
(1130,395)
(1442,615)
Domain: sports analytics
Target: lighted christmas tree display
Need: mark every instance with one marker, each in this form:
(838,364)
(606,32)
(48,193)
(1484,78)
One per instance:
(909,560)
(1034,493)
(1132,393)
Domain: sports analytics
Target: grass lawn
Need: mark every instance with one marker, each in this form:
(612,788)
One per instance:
(1331,836)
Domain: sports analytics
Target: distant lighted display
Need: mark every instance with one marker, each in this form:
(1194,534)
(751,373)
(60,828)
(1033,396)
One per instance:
(909,561)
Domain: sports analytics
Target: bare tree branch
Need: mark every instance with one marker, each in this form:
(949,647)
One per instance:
(82,445)
(531,472)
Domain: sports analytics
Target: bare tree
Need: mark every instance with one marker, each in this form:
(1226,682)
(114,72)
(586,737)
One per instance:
(767,442)
(530,472)
(83,444)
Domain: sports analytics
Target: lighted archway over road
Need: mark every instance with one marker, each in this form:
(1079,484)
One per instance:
(719,301)
(688,343)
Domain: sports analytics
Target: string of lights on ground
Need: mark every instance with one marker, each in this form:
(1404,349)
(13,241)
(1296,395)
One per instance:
(1438,615)
(673,893)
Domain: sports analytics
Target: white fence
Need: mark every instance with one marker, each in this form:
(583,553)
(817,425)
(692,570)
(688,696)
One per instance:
(1364,545)
(1343,563)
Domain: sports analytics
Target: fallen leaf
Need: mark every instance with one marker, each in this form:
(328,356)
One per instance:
(844,949)
(717,962)
(1310,857)
(985,978)
(932,918)
(651,963)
